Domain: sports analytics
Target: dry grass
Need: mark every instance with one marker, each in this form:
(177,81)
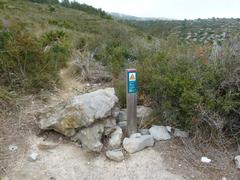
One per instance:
(183,156)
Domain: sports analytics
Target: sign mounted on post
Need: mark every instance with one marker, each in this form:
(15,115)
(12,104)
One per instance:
(132,81)
(131,94)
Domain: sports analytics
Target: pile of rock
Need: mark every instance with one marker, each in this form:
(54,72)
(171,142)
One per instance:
(93,118)
(84,118)
(137,142)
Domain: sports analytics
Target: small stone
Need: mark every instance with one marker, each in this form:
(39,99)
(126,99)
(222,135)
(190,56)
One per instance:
(205,159)
(90,137)
(144,131)
(237,161)
(133,144)
(115,112)
(108,131)
(223,178)
(47,145)
(115,155)
(122,115)
(179,133)
(33,157)
(123,124)
(169,129)
(115,138)
(135,135)
(159,133)
(109,126)
(110,122)
(13,147)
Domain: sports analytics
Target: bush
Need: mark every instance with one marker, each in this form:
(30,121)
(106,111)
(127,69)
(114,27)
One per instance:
(51,9)
(28,63)
(61,24)
(45,1)
(81,43)
(189,92)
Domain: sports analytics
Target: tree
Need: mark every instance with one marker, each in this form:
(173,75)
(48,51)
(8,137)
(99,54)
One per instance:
(65,3)
(46,1)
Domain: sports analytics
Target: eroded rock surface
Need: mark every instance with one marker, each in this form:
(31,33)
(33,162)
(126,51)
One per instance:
(159,133)
(116,138)
(115,155)
(79,111)
(90,137)
(137,143)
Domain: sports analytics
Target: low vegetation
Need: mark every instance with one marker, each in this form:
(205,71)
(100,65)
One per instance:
(203,31)
(192,92)
(29,63)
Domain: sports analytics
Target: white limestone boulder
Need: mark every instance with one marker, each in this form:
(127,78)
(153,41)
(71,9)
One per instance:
(115,155)
(137,143)
(115,139)
(159,133)
(79,111)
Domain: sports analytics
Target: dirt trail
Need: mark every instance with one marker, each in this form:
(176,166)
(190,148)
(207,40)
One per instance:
(68,161)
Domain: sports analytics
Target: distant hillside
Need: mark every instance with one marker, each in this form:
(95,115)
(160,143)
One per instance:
(120,16)
(200,30)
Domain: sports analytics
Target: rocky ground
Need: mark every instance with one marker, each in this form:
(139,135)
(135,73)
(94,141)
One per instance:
(69,161)
(26,152)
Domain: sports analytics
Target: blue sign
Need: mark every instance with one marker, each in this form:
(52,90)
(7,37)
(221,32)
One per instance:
(132,82)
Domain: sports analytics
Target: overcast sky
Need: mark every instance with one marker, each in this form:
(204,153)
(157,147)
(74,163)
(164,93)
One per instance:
(176,9)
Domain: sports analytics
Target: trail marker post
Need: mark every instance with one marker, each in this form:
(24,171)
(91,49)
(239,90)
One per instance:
(131,94)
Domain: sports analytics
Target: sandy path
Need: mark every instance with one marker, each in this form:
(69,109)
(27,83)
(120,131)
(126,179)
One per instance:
(69,162)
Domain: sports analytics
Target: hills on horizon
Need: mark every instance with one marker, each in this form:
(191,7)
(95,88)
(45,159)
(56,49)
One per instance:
(122,16)
(203,31)
(136,18)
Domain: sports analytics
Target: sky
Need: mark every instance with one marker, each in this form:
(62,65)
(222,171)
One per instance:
(174,9)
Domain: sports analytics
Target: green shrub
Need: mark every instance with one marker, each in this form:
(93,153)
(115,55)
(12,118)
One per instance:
(62,24)
(53,37)
(81,43)
(31,64)
(115,57)
(52,9)
(45,1)
(189,93)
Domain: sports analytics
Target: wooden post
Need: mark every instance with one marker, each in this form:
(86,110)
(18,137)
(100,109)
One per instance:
(131,95)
